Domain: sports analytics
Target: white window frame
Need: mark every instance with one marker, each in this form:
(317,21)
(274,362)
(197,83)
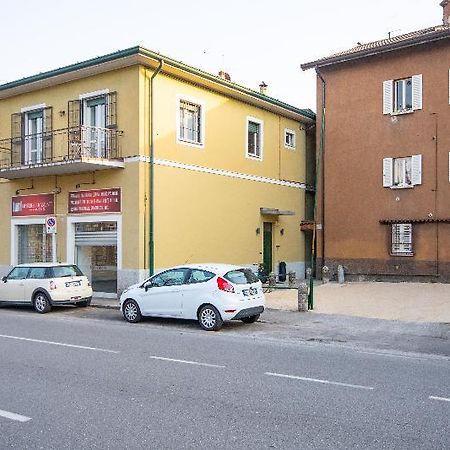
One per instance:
(15,222)
(389,171)
(26,110)
(294,139)
(261,138)
(405,248)
(201,104)
(389,95)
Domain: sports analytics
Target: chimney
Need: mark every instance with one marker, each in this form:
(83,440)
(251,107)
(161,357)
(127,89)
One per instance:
(446,12)
(263,88)
(224,75)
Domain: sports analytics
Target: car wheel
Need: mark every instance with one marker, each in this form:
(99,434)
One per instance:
(41,303)
(131,311)
(251,319)
(209,318)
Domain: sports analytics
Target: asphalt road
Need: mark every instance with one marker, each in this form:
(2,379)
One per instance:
(84,379)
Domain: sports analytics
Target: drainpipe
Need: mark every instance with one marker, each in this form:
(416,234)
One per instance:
(321,162)
(152,158)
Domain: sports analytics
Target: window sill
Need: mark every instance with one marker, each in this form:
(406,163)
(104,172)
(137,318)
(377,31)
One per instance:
(402,254)
(254,157)
(400,113)
(407,186)
(190,143)
(290,147)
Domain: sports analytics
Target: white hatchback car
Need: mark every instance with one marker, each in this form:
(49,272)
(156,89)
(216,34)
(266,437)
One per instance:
(46,284)
(209,293)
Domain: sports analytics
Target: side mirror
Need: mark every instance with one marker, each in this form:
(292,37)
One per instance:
(147,285)
(4,279)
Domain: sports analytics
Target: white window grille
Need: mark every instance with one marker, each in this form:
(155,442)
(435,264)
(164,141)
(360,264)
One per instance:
(401,242)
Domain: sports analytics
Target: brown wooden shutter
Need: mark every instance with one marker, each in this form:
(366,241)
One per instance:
(111,110)
(74,126)
(17,147)
(48,134)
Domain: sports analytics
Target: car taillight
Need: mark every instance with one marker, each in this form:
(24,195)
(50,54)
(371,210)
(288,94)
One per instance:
(224,285)
(52,285)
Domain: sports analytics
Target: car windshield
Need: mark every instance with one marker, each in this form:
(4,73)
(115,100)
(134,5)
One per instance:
(66,271)
(241,276)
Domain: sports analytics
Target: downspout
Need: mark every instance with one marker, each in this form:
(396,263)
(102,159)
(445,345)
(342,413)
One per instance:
(151,170)
(321,165)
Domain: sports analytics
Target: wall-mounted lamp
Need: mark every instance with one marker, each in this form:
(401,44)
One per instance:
(62,113)
(258,230)
(282,231)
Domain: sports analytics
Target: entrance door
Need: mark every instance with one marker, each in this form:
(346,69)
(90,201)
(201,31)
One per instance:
(96,254)
(34,123)
(267,247)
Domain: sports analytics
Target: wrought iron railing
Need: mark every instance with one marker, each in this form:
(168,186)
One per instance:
(66,144)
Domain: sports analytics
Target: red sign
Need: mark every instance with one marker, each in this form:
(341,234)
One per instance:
(33,205)
(95,201)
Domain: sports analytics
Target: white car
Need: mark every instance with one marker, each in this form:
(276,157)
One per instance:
(209,293)
(46,284)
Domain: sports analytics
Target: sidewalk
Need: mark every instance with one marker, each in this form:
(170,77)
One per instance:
(413,302)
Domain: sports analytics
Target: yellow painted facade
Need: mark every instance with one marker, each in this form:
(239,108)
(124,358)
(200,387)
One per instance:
(207,198)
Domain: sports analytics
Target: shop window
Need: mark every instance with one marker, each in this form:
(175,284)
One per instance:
(35,245)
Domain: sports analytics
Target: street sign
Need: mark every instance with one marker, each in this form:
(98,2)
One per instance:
(50,225)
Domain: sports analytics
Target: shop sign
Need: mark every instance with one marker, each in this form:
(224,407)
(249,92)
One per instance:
(95,201)
(33,205)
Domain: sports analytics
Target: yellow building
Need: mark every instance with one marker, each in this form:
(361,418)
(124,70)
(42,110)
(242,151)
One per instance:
(133,162)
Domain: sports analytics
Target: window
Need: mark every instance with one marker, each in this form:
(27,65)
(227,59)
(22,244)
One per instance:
(38,273)
(241,276)
(401,242)
(18,273)
(190,122)
(402,172)
(289,138)
(66,271)
(402,95)
(200,276)
(254,138)
(173,277)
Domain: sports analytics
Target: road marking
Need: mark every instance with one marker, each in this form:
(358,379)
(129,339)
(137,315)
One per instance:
(315,380)
(61,344)
(442,399)
(195,363)
(14,416)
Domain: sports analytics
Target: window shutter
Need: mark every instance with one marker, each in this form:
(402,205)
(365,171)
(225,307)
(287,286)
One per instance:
(17,129)
(387,172)
(74,116)
(388,96)
(111,110)
(47,135)
(416,169)
(417,91)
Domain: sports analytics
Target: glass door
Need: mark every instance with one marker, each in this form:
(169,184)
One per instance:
(95,127)
(34,124)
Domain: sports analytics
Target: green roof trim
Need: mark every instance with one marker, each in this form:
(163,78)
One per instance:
(307,113)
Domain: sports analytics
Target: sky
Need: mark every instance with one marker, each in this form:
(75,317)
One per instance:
(252,40)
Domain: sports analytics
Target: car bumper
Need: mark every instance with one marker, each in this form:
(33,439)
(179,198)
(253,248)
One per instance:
(70,301)
(248,312)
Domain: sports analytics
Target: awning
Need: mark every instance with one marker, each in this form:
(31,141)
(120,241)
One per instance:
(275,212)
(411,220)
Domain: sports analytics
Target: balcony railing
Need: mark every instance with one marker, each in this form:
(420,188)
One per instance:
(83,147)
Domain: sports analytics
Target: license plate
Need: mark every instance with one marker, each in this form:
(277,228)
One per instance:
(73,283)
(251,291)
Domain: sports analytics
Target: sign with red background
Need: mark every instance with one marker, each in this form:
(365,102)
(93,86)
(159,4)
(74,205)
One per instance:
(95,201)
(33,205)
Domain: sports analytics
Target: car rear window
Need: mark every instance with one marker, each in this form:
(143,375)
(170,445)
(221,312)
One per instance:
(241,276)
(66,271)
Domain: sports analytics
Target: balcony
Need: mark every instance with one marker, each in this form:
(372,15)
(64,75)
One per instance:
(60,152)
